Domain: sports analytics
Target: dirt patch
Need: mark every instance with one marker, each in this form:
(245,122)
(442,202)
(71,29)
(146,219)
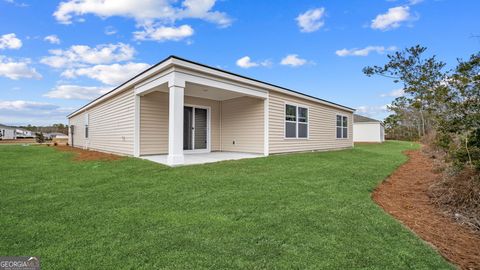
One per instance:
(405,196)
(84,155)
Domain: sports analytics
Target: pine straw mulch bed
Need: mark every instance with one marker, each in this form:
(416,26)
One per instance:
(84,155)
(405,195)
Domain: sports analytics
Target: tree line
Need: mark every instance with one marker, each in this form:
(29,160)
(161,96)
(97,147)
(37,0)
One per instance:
(439,106)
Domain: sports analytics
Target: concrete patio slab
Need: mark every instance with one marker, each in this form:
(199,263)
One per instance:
(202,158)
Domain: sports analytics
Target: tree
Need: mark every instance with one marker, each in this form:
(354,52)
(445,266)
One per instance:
(420,76)
(460,120)
(39,137)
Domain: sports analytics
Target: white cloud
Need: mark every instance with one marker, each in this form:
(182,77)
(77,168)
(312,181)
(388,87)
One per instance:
(394,93)
(76,92)
(110,30)
(311,20)
(53,39)
(164,33)
(108,74)
(293,60)
(17,69)
(414,2)
(246,62)
(376,111)
(392,19)
(23,112)
(18,105)
(16,3)
(81,55)
(165,11)
(365,51)
(10,41)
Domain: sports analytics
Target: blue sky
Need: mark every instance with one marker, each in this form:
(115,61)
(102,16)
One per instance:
(56,56)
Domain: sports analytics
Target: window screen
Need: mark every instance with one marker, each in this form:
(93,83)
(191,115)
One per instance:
(296,121)
(342,127)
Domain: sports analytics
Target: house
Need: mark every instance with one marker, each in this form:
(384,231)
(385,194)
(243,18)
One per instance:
(55,135)
(23,133)
(367,129)
(7,133)
(179,107)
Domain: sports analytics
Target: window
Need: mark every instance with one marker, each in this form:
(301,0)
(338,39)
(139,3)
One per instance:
(342,127)
(296,122)
(86,126)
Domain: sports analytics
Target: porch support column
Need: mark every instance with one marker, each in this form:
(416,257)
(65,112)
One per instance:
(266,142)
(175,122)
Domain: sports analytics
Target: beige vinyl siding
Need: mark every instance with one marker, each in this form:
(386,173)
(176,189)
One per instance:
(154,122)
(243,122)
(322,126)
(78,130)
(111,125)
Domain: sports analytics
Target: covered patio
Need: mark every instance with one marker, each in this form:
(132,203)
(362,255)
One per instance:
(202,158)
(182,118)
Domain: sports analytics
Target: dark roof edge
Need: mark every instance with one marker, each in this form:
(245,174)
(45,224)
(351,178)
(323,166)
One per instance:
(252,79)
(139,74)
(210,67)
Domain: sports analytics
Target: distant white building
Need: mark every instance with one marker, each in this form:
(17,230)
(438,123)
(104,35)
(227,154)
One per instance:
(7,133)
(23,133)
(367,129)
(55,135)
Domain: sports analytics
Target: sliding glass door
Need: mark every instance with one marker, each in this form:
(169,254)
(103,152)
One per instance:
(195,128)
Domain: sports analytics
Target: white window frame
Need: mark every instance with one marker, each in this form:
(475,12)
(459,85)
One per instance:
(209,144)
(285,121)
(341,115)
(86,130)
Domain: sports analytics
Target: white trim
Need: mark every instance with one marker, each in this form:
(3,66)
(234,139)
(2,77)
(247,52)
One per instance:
(147,87)
(136,128)
(348,128)
(125,86)
(266,127)
(220,106)
(209,142)
(253,82)
(222,85)
(169,62)
(175,125)
(86,129)
(296,105)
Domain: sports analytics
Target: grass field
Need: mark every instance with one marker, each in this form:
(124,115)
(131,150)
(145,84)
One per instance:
(298,211)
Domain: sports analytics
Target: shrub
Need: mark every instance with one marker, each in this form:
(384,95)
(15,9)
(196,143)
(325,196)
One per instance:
(39,137)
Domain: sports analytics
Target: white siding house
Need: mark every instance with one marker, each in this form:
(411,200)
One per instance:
(179,107)
(7,133)
(367,129)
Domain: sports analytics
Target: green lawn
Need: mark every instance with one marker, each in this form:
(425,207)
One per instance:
(298,211)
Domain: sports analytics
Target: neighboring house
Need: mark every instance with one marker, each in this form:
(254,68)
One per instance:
(367,129)
(55,135)
(23,133)
(7,133)
(178,106)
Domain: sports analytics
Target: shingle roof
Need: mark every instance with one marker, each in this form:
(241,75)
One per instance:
(214,68)
(363,119)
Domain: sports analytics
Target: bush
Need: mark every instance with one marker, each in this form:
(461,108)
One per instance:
(443,140)
(39,137)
